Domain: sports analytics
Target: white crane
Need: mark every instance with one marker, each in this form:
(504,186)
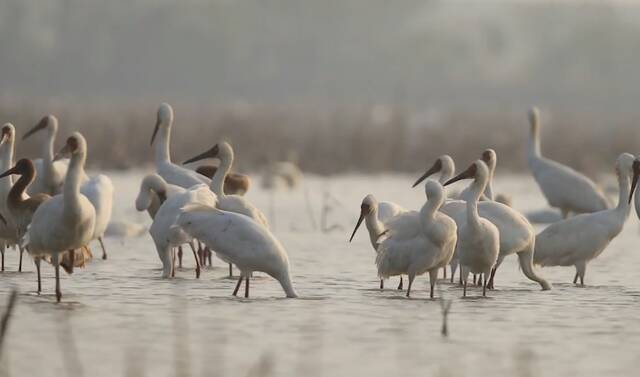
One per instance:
(563,187)
(516,234)
(375,214)
(66,221)
(160,140)
(418,242)
(50,173)
(238,238)
(8,233)
(478,239)
(165,236)
(578,240)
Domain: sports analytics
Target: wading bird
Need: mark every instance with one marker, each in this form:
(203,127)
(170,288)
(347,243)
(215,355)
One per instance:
(66,221)
(234,183)
(578,240)
(8,232)
(563,187)
(375,214)
(418,242)
(241,240)
(478,239)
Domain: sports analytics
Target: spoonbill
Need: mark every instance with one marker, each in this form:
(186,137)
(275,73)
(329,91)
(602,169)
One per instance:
(232,203)
(165,237)
(244,242)
(516,234)
(425,246)
(375,214)
(234,183)
(66,221)
(578,240)
(563,187)
(478,239)
(160,140)
(8,234)
(50,173)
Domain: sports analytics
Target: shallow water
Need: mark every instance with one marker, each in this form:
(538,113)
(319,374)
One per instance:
(119,318)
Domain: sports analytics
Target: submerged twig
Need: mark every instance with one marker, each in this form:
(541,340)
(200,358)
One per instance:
(6,317)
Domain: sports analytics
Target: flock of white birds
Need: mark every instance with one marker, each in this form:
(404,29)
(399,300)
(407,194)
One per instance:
(53,210)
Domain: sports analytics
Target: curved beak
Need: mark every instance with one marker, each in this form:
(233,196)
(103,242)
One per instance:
(211,153)
(357,225)
(9,172)
(636,175)
(42,124)
(155,131)
(432,170)
(469,173)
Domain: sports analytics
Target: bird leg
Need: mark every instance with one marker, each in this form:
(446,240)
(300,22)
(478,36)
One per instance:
(209,256)
(484,287)
(400,285)
(104,250)
(173,262)
(246,287)
(195,255)
(20,263)
(474,279)
(493,274)
(235,291)
(230,270)
(56,264)
(411,277)
(37,262)
(201,253)
(2,252)
(444,272)
(575,278)
(464,288)
(381,284)
(480,279)
(179,256)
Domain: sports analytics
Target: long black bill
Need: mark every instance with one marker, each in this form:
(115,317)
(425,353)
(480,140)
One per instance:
(636,175)
(357,225)
(432,170)
(9,172)
(211,153)
(469,173)
(42,124)
(155,131)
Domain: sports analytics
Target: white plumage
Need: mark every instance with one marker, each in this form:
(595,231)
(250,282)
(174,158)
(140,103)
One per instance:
(66,221)
(154,190)
(247,244)
(563,187)
(578,240)
(8,230)
(99,191)
(478,239)
(161,140)
(418,242)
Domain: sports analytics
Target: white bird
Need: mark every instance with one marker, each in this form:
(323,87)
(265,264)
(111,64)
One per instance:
(443,165)
(247,244)
(478,239)
(66,221)
(634,187)
(8,231)
(160,140)
(563,187)
(231,203)
(578,240)
(50,173)
(166,236)
(154,191)
(375,214)
(516,234)
(425,246)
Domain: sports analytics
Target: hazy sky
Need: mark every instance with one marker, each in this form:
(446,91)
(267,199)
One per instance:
(437,52)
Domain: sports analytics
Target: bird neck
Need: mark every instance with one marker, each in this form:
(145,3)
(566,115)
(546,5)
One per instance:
(6,162)
(534,143)
(17,191)
(374,227)
(71,189)
(475,191)
(48,155)
(624,184)
(217,181)
(488,190)
(161,144)
(429,209)
(287,286)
